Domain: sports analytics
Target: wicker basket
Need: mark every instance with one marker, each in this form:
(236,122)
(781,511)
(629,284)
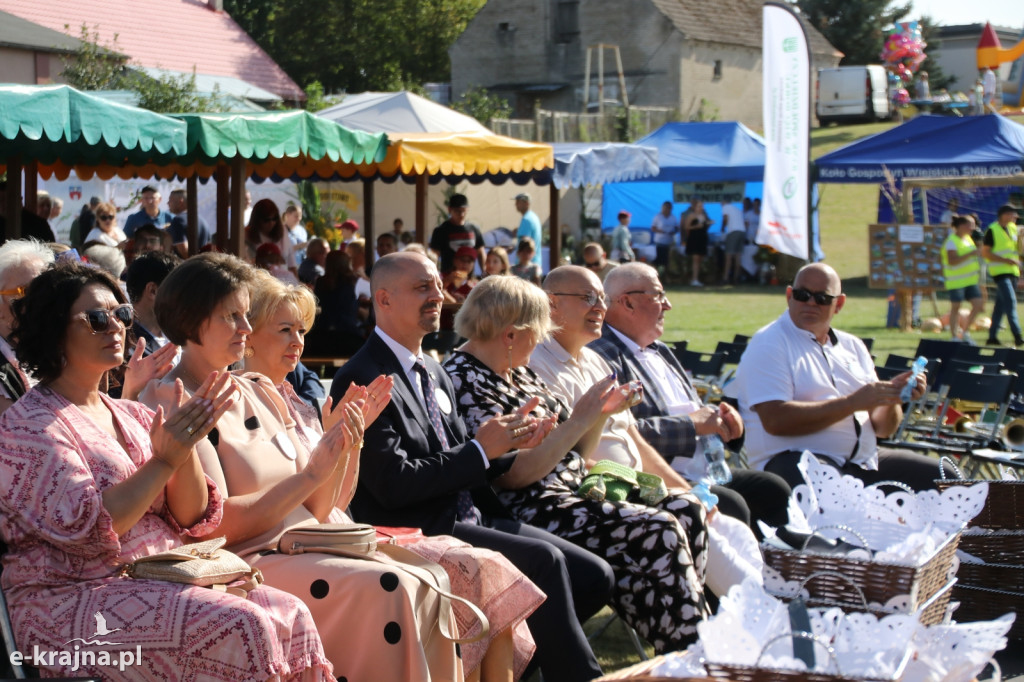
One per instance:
(879,581)
(1004,507)
(931,612)
(994,576)
(743,673)
(983,603)
(997,547)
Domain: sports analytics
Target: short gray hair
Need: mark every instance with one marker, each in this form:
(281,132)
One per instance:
(626,275)
(499,302)
(19,251)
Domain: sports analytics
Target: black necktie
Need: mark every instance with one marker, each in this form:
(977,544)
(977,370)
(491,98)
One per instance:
(465,511)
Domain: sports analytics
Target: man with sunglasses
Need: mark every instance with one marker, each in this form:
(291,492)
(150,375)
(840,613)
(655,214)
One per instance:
(595,260)
(802,385)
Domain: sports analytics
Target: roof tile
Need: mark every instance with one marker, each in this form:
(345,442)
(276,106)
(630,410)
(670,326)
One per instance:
(177,35)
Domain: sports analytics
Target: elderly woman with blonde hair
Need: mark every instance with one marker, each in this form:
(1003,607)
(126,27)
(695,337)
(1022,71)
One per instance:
(280,315)
(657,552)
(376,621)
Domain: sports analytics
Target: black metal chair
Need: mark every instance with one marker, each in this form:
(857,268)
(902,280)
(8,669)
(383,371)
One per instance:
(976,354)
(731,351)
(741,338)
(869,343)
(942,349)
(702,365)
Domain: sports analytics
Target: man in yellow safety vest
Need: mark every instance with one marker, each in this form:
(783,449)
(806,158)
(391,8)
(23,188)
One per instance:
(999,248)
(961,269)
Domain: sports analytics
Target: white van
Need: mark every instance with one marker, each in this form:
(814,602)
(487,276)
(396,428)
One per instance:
(852,93)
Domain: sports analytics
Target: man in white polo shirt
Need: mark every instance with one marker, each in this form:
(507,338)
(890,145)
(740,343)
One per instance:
(802,385)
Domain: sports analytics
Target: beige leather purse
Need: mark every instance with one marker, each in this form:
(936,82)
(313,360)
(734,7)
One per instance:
(203,564)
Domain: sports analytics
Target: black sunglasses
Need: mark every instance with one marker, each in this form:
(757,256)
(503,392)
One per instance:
(104,216)
(99,319)
(820,297)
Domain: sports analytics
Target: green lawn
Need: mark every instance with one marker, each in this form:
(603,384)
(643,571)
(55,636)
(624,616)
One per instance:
(706,316)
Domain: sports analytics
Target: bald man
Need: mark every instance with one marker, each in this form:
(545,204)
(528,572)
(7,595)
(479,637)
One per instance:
(418,466)
(802,385)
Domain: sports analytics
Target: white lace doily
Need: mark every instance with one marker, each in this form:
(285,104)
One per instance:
(956,652)
(885,521)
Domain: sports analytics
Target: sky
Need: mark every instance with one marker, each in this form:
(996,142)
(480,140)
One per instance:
(1008,13)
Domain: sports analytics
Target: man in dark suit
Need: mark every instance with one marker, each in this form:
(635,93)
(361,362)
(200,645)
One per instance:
(671,415)
(419,465)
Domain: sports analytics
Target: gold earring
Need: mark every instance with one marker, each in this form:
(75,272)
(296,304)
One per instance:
(248,352)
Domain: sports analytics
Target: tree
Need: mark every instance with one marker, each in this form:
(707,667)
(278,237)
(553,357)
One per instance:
(102,67)
(854,27)
(937,80)
(482,105)
(357,45)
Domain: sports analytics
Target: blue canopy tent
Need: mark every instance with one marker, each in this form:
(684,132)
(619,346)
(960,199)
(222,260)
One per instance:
(721,151)
(579,164)
(982,155)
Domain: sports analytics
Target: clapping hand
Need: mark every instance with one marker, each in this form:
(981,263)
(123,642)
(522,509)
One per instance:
(346,432)
(189,421)
(141,370)
(371,401)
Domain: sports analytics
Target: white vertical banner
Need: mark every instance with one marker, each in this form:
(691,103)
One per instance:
(786,101)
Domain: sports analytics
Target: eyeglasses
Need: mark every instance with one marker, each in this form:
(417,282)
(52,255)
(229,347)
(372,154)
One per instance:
(591,265)
(590,298)
(820,297)
(17,292)
(104,216)
(658,296)
(99,319)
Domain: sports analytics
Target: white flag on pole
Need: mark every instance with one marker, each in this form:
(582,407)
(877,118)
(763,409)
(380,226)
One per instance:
(786,83)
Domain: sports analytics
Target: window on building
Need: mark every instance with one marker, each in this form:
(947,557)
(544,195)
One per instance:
(567,20)
(717,73)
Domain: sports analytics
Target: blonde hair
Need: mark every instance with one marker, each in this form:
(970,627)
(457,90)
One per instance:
(499,302)
(267,294)
(501,254)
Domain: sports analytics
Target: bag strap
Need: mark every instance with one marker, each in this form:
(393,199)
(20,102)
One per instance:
(250,581)
(428,572)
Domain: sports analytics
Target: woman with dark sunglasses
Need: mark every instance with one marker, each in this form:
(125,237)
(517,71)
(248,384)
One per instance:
(89,484)
(106,230)
(265,225)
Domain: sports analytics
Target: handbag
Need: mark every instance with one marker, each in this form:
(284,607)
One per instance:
(359,541)
(608,480)
(204,564)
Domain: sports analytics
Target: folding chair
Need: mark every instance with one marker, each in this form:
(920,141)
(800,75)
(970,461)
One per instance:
(968,353)
(706,370)
(868,343)
(741,338)
(991,390)
(941,349)
(732,351)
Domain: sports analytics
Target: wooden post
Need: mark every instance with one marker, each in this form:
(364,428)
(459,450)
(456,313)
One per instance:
(237,243)
(223,178)
(421,209)
(12,198)
(31,191)
(192,208)
(370,247)
(554,230)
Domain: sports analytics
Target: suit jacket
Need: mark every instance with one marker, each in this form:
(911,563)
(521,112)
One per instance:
(140,332)
(670,436)
(405,477)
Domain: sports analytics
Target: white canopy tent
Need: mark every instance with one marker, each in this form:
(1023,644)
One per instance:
(399,112)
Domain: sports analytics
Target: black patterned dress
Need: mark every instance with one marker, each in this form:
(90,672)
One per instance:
(658,553)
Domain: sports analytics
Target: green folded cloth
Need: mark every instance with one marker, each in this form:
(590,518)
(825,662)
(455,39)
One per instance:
(615,482)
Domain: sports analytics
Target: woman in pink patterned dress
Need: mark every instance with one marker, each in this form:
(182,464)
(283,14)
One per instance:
(280,315)
(89,484)
(376,622)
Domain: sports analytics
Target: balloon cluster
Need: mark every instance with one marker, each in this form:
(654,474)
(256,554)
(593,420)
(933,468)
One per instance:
(903,52)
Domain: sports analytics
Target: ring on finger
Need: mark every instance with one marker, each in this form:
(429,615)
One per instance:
(189,430)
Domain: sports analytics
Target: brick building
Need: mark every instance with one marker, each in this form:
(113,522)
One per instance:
(683,54)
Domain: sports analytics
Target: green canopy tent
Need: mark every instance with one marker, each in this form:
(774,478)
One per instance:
(231,147)
(58,125)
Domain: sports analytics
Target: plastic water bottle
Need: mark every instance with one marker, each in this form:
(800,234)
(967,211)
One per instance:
(714,455)
(702,491)
(915,371)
